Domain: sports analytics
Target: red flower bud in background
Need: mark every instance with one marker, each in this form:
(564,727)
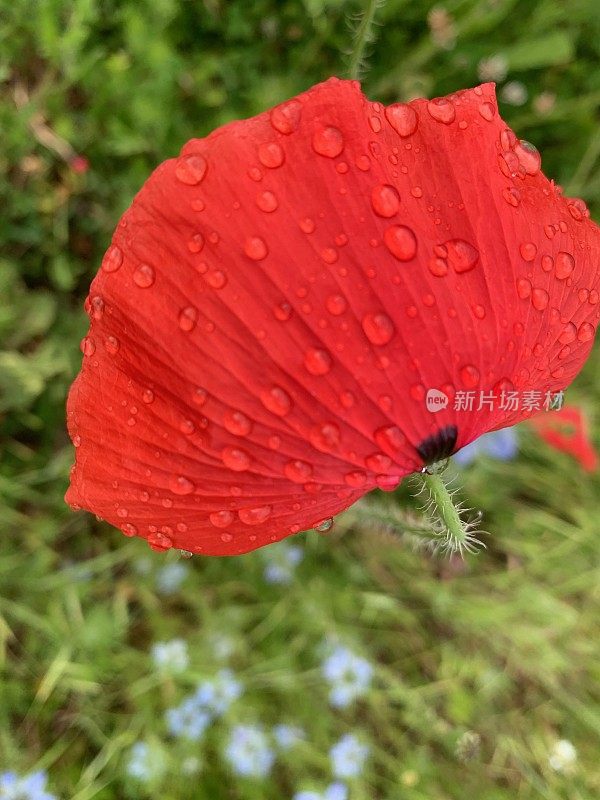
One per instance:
(278,301)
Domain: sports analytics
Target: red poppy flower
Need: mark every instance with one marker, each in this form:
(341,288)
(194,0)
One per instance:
(567,430)
(279,300)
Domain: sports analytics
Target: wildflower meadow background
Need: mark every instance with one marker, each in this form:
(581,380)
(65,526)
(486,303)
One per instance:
(345,665)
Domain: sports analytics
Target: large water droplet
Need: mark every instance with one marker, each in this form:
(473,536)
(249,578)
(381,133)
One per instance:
(255,248)
(159,541)
(378,462)
(336,304)
(401,242)
(271,154)
(191,169)
(379,328)
(221,519)
(529,157)
(462,256)
(187,318)
(236,459)
(297,471)
(285,118)
(523,288)
(87,346)
(403,118)
(129,529)
(390,438)
(569,334)
(112,345)
(469,375)
(328,141)
(528,251)
(113,259)
(237,423)
(196,243)
(539,299)
(144,276)
(254,516)
(564,265)
(585,332)
(442,110)
(325,525)
(276,400)
(325,436)
(181,485)
(317,361)
(356,478)
(266,201)
(385,200)
(487,111)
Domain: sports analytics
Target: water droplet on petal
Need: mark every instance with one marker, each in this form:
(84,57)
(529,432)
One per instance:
(462,256)
(235,459)
(325,437)
(237,423)
(403,118)
(271,155)
(401,242)
(307,225)
(297,471)
(564,265)
(379,328)
(129,529)
(328,141)
(390,438)
(469,375)
(159,542)
(266,201)
(523,288)
(187,318)
(569,334)
(325,525)
(283,311)
(356,478)
(181,485)
(276,400)
(529,157)
(191,169)
(112,259)
(317,361)
(442,110)
(585,332)
(528,251)
(285,118)
(221,519)
(255,248)
(144,276)
(254,516)
(378,462)
(87,346)
(487,111)
(336,304)
(196,243)
(539,299)
(112,345)
(385,200)
(148,396)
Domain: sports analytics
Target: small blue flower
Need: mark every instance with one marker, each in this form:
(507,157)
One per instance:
(286,736)
(348,675)
(171,656)
(188,720)
(335,791)
(28,787)
(248,751)
(282,559)
(502,445)
(218,694)
(170,577)
(348,756)
(145,763)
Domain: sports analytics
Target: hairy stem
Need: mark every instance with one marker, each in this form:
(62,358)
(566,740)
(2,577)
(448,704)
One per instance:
(362,37)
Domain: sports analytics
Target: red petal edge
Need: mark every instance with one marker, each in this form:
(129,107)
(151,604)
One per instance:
(278,301)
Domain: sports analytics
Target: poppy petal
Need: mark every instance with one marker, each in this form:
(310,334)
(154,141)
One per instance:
(567,430)
(280,300)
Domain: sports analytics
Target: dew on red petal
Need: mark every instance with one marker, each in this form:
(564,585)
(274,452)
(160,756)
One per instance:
(237,423)
(267,202)
(181,485)
(255,248)
(307,225)
(283,311)
(585,332)
(379,328)
(385,200)
(529,157)
(469,375)
(328,141)
(113,259)
(442,110)
(191,169)
(271,155)
(129,529)
(462,256)
(255,516)
(403,118)
(378,462)
(390,438)
(356,478)
(196,243)
(528,251)
(512,196)
(188,318)
(221,519)
(276,400)
(437,267)
(325,436)
(564,265)
(112,345)
(401,242)
(539,299)
(569,334)
(487,111)
(547,263)
(236,459)
(336,304)
(285,118)
(159,542)
(87,346)
(317,361)
(148,396)
(144,276)
(297,471)
(187,426)
(97,307)
(523,288)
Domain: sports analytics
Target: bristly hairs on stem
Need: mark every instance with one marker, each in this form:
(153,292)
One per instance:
(455,531)
(363,26)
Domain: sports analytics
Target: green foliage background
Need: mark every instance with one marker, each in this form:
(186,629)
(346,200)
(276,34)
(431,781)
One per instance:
(506,646)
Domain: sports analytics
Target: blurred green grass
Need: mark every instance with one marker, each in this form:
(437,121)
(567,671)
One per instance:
(505,647)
